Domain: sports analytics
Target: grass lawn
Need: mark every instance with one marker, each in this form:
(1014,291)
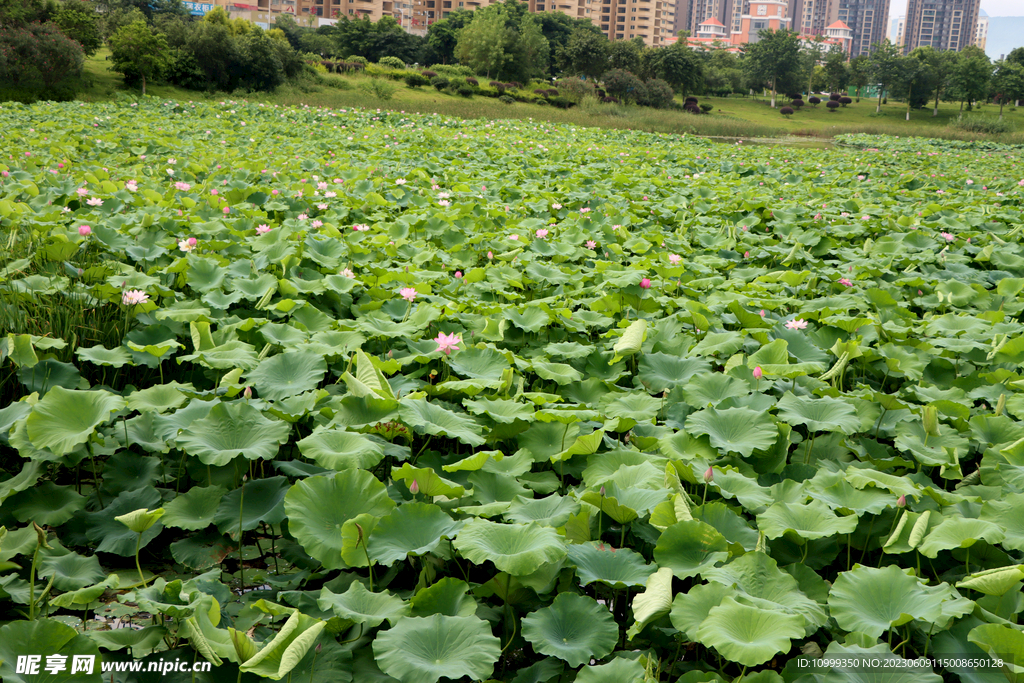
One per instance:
(731,117)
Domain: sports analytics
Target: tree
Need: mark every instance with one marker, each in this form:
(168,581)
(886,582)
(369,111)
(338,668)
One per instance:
(970,75)
(858,68)
(79,22)
(136,49)
(292,31)
(837,74)
(38,59)
(677,65)
(532,51)
(21,12)
(558,29)
(150,8)
(940,64)
(586,54)
(813,56)
(1016,56)
(884,67)
(485,44)
(626,55)
(1008,82)
(443,35)
(773,58)
(912,77)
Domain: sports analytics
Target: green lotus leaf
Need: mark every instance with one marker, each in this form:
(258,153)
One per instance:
(993,581)
(874,664)
(619,670)
(140,520)
(425,649)
(103,528)
(46,637)
(45,504)
(87,595)
(748,635)
(631,340)
(625,505)
(573,628)
(517,549)
(689,610)
(718,343)
(1008,513)
(477,363)
(288,374)
(363,607)
(959,532)
(559,373)
(819,414)
(546,439)
(98,355)
(807,521)
(500,410)
(259,500)
(553,510)
(661,371)
(653,603)
(228,356)
(64,418)
(428,418)
(70,571)
(233,429)
(318,507)
(999,641)
(872,601)
(203,550)
(616,567)
(541,672)
(410,529)
(690,547)
(283,653)
(735,430)
(194,509)
(449,597)
(474,462)
(428,481)
(727,522)
(140,642)
(763,584)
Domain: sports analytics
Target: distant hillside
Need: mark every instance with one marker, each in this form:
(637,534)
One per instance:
(1004,34)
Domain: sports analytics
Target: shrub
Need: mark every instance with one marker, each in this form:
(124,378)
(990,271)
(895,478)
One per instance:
(542,102)
(507,99)
(541,91)
(658,94)
(465,89)
(834,97)
(439,83)
(815,101)
(390,62)
(472,81)
(575,89)
(622,84)
(429,74)
(786,111)
(362,61)
(260,67)
(562,102)
(453,70)
(38,58)
(706,108)
(845,101)
(183,70)
(832,105)
(796,104)
(378,87)
(610,100)
(416,80)
(981,124)
(513,85)
(81,23)
(690,100)
(692,108)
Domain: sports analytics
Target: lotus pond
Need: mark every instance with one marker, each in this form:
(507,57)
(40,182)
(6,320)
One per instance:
(335,396)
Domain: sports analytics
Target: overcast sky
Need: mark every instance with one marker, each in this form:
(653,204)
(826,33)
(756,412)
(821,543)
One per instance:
(994,8)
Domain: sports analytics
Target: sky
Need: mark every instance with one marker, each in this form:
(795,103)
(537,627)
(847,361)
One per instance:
(994,8)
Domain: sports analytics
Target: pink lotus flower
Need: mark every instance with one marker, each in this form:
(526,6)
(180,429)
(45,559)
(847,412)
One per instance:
(227,209)
(948,236)
(82,191)
(591,244)
(674,259)
(322,207)
(542,234)
(347,272)
(444,202)
(458,274)
(262,229)
(586,210)
(645,283)
(762,313)
(758,373)
(84,230)
(188,245)
(400,181)
(447,342)
(490,254)
(408,293)
(746,254)
(514,238)
(556,207)
(303,216)
(709,475)
(133,297)
(95,201)
(317,224)
(796,324)
(845,282)
(184,186)
(360,227)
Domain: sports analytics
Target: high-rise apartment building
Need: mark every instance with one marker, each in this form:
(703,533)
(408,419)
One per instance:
(812,17)
(981,35)
(897,30)
(653,21)
(868,20)
(942,24)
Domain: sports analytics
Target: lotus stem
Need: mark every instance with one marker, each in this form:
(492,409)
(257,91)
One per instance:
(138,545)
(32,586)
(241,566)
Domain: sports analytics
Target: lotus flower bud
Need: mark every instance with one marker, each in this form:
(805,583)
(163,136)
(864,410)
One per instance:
(758,373)
(1001,404)
(645,283)
(602,492)
(931,421)
(359,529)
(901,502)
(247,393)
(709,475)
(414,487)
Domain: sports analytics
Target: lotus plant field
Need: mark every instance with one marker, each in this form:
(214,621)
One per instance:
(330,396)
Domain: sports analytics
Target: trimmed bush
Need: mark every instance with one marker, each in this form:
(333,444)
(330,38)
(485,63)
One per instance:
(706,108)
(363,61)
(429,74)
(845,101)
(465,90)
(834,97)
(658,94)
(786,111)
(391,62)
(815,101)
(623,85)
(507,99)
(690,100)
(796,104)
(472,81)
(832,105)
(439,83)
(416,80)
